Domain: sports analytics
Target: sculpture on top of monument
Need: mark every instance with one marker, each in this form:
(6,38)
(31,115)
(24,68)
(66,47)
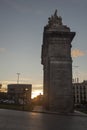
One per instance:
(54,20)
(55,14)
(55,23)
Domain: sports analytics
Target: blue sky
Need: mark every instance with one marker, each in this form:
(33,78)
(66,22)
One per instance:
(21,34)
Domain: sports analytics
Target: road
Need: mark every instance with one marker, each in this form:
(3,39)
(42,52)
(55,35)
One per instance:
(19,120)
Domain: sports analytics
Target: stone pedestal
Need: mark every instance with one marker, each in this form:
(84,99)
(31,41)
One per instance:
(57,65)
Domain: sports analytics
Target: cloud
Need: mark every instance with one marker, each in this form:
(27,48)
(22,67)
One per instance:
(37,86)
(2,50)
(77,53)
(22,81)
(6,82)
(25,80)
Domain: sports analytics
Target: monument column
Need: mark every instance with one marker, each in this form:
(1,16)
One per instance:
(57,65)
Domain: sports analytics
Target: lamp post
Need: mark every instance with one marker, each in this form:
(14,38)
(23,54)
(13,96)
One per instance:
(24,92)
(17,95)
(18,74)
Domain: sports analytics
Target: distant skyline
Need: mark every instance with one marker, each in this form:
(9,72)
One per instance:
(21,35)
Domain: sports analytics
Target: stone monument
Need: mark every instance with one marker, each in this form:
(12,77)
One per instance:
(57,65)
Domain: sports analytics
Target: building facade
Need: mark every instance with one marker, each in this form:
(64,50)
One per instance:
(80,92)
(57,65)
(20,93)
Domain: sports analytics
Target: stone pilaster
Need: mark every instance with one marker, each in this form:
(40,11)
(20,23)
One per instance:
(57,64)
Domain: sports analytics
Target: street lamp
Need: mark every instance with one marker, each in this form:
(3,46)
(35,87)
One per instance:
(18,74)
(24,92)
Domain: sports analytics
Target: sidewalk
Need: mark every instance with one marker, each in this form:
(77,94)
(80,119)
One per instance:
(39,109)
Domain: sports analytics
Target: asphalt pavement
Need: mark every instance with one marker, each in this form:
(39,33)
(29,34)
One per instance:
(20,120)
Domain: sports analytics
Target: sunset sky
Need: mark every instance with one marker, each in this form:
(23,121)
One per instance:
(21,34)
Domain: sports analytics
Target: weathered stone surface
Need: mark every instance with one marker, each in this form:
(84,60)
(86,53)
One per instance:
(57,63)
